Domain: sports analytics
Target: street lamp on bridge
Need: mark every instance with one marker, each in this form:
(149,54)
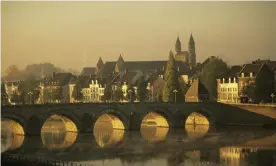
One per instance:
(175,91)
(272,97)
(30,93)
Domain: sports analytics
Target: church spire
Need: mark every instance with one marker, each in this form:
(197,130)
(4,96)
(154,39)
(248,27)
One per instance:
(177,45)
(191,41)
(191,50)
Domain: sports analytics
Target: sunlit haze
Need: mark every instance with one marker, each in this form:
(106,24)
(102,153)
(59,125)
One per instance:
(76,34)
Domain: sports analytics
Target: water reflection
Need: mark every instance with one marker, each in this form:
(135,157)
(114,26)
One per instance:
(154,127)
(108,130)
(58,140)
(12,135)
(196,131)
(154,133)
(58,133)
(10,141)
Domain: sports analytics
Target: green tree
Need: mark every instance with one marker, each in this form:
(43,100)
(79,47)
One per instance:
(260,90)
(28,90)
(264,84)
(171,81)
(211,70)
(77,92)
(250,91)
(142,89)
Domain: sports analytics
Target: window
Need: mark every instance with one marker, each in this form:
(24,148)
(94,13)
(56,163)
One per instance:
(251,74)
(242,74)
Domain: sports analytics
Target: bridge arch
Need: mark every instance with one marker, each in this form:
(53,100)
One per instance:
(117,119)
(200,117)
(69,124)
(12,134)
(198,124)
(11,125)
(156,118)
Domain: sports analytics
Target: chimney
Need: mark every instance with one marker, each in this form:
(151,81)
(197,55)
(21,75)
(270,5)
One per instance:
(54,73)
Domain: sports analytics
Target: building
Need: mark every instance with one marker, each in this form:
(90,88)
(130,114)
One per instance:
(197,92)
(92,88)
(11,88)
(189,56)
(55,89)
(231,84)
(228,87)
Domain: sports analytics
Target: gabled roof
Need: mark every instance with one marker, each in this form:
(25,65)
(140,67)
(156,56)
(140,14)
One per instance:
(107,69)
(58,79)
(88,71)
(250,68)
(233,72)
(197,88)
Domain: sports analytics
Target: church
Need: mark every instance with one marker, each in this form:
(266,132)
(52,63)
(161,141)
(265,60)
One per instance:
(189,56)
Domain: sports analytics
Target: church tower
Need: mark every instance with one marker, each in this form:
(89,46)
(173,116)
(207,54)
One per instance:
(191,50)
(178,46)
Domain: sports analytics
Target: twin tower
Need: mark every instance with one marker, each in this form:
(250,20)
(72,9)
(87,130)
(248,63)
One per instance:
(189,56)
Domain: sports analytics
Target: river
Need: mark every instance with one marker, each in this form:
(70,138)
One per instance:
(193,145)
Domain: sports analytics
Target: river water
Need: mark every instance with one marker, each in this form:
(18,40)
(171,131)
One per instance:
(194,145)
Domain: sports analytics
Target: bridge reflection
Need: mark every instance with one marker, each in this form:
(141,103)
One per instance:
(57,140)
(154,119)
(109,121)
(59,122)
(12,135)
(120,144)
(11,141)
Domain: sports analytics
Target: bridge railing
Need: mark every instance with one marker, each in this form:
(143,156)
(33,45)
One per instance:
(36,161)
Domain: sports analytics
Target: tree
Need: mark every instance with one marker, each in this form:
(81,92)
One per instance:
(28,90)
(15,98)
(77,92)
(142,89)
(260,90)
(107,93)
(130,93)
(118,94)
(210,72)
(250,91)
(264,84)
(171,81)
(4,95)
(12,71)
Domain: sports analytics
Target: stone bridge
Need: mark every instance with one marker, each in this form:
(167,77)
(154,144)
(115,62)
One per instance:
(84,116)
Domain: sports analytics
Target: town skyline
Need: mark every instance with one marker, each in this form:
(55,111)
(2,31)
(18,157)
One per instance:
(73,35)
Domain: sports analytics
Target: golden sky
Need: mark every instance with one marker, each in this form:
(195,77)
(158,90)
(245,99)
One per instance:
(76,34)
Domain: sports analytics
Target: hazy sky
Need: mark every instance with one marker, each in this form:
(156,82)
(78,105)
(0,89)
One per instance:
(76,34)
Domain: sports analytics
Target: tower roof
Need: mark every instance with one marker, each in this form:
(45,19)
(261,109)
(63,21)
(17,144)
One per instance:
(191,41)
(177,45)
(120,58)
